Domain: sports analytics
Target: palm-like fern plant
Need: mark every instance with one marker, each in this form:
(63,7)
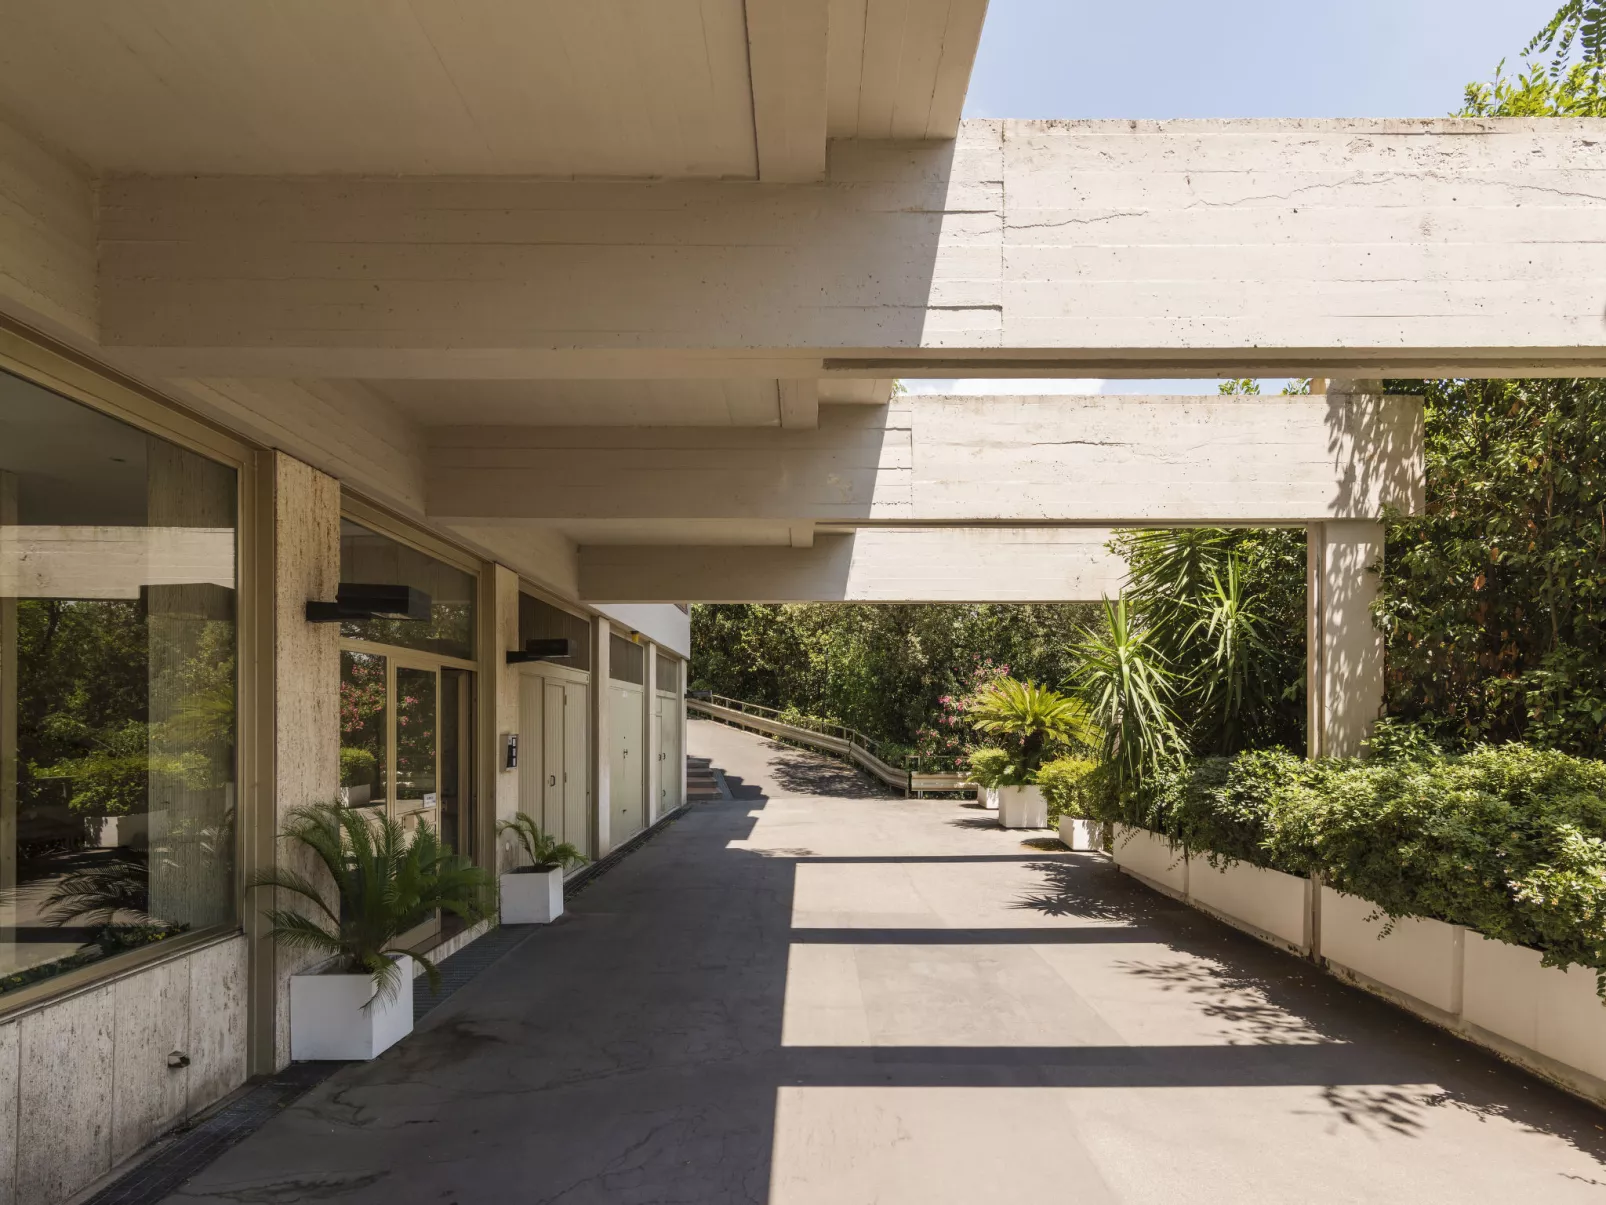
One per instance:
(545,851)
(1035,718)
(385,884)
(1129,693)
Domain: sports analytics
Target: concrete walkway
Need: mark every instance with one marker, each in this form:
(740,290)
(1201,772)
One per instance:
(815,996)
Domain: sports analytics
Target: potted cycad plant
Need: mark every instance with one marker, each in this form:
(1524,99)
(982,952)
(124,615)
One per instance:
(1033,722)
(381,883)
(533,894)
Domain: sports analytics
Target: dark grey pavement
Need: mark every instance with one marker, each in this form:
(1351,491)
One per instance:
(811,994)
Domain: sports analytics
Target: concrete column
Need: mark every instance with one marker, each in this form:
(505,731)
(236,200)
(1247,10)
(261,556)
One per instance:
(654,742)
(601,762)
(502,717)
(1344,666)
(304,532)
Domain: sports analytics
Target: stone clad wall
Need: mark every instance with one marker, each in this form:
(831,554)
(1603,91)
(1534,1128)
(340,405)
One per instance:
(84,1080)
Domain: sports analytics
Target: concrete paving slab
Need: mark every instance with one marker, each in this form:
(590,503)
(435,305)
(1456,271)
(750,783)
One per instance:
(815,992)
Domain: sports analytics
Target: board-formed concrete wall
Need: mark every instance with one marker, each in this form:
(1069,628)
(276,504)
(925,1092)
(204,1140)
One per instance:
(891,565)
(1114,460)
(1366,247)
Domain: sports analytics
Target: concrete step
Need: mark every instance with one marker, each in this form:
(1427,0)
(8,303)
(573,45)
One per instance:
(701,785)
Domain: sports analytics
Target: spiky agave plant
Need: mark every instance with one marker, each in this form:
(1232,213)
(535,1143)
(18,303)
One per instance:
(1035,717)
(545,851)
(385,884)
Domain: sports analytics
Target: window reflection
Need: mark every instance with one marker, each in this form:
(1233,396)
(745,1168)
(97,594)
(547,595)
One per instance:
(363,721)
(415,736)
(366,556)
(117,687)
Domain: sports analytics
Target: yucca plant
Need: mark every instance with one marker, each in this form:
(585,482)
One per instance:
(545,851)
(385,884)
(1129,693)
(1034,718)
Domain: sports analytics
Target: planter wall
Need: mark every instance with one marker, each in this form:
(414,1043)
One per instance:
(1551,1011)
(1274,903)
(328,1020)
(532,897)
(1140,852)
(1498,995)
(1080,834)
(1419,957)
(1022,807)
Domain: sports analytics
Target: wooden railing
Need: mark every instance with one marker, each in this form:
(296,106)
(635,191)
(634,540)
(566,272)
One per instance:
(845,742)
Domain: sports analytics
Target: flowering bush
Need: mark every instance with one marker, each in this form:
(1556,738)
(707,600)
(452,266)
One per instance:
(950,740)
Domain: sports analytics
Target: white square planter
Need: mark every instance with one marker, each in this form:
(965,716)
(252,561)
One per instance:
(328,1020)
(987,797)
(1080,834)
(1151,857)
(1420,957)
(1275,903)
(532,897)
(1022,807)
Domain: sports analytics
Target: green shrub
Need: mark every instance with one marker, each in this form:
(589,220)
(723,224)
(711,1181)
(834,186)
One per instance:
(1065,786)
(989,767)
(1507,840)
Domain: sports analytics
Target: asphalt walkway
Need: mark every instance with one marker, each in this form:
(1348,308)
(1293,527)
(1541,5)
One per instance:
(814,995)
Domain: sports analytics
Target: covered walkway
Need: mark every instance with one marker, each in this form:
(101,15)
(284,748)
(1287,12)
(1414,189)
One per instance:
(812,995)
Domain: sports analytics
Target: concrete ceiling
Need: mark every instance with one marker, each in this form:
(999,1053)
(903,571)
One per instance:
(605,88)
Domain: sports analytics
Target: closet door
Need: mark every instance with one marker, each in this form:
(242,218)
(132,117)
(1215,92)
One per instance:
(532,766)
(552,759)
(627,776)
(576,766)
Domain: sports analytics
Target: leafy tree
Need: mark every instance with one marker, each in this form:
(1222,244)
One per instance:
(1032,720)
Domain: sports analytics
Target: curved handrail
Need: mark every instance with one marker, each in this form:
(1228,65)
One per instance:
(824,735)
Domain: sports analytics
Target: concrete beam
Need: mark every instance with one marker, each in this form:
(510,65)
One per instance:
(1115,461)
(786,56)
(1351,248)
(1015,565)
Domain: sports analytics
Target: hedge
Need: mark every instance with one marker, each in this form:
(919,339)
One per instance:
(1508,840)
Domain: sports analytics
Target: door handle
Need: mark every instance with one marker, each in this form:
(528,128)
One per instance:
(551,780)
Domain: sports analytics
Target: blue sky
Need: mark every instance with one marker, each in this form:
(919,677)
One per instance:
(1233,58)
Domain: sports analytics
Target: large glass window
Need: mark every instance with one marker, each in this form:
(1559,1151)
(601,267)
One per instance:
(117,687)
(372,559)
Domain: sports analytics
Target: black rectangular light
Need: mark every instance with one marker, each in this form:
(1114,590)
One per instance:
(366,600)
(556,648)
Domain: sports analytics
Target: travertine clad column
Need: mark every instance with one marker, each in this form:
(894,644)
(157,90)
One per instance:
(601,735)
(1345,647)
(306,680)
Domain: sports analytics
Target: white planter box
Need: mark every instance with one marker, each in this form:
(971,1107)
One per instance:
(1548,1010)
(1022,807)
(329,1020)
(1150,857)
(1275,903)
(532,897)
(1422,958)
(1080,834)
(987,797)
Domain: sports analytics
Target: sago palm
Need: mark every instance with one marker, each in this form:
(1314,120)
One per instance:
(545,851)
(1036,717)
(384,882)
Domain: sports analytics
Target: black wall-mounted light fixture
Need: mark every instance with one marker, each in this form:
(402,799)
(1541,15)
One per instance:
(558,648)
(362,600)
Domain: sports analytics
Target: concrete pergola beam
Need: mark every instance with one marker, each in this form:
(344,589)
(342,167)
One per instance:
(872,565)
(1363,248)
(1111,461)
